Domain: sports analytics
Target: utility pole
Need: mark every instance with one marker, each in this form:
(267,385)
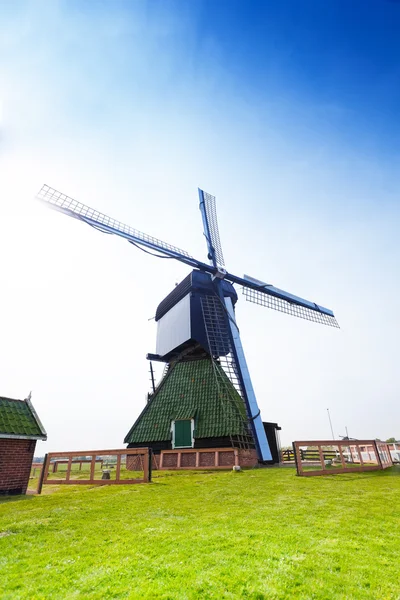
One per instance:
(330,423)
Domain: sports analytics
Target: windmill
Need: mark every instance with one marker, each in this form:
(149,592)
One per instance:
(199,313)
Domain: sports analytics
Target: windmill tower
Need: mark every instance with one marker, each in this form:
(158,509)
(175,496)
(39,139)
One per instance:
(198,402)
(196,325)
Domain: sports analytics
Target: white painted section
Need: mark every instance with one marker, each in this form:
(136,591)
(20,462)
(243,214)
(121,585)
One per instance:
(173,328)
(173,433)
(254,410)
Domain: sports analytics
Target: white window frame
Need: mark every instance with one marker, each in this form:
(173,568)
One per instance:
(173,433)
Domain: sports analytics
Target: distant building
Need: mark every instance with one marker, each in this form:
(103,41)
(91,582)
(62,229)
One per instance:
(20,428)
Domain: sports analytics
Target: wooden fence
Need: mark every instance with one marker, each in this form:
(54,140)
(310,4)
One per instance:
(93,457)
(340,456)
(288,454)
(55,463)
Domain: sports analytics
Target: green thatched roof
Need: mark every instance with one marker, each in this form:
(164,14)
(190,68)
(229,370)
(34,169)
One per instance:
(19,419)
(190,390)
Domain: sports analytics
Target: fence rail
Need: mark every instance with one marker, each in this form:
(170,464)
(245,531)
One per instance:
(56,463)
(288,455)
(92,458)
(321,457)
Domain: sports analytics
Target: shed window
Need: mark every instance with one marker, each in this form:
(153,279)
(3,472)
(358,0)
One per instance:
(182,433)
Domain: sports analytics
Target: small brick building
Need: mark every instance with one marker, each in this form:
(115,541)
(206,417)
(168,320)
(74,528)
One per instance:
(20,428)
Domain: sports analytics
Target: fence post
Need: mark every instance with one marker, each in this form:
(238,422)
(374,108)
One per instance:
(146,466)
(296,457)
(342,460)
(118,468)
(321,457)
(360,455)
(69,469)
(150,463)
(42,474)
(377,454)
(92,467)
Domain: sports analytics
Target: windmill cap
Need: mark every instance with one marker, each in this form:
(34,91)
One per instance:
(195,282)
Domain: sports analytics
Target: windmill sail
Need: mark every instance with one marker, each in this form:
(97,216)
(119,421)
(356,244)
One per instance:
(272,297)
(63,203)
(211,231)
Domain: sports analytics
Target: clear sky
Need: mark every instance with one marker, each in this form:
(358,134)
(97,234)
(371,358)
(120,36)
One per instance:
(287,111)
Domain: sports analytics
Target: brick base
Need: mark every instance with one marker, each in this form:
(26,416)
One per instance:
(15,465)
(248,458)
(206,460)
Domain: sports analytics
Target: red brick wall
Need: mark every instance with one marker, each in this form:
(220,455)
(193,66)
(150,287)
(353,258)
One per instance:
(170,461)
(248,458)
(207,459)
(226,459)
(15,465)
(188,459)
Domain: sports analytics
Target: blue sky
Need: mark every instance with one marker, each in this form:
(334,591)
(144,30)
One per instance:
(287,111)
(336,55)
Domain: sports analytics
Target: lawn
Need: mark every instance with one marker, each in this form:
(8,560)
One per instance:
(259,534)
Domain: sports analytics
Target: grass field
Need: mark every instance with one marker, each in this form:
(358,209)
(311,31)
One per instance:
(259,534)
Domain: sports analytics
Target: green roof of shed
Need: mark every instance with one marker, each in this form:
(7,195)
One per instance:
(19,419)
(189,390)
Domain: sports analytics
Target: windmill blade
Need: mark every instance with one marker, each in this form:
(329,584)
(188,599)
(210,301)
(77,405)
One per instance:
(105,224)
(267,295)
(211,231)
(224,344)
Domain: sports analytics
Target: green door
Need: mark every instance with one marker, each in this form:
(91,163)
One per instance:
(183,434)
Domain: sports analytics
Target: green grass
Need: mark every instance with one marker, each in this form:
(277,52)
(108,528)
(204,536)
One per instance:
(260,534)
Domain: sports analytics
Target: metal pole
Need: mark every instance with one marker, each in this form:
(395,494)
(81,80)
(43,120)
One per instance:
(330,423)
(152,378)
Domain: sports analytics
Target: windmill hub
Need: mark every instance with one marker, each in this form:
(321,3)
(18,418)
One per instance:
(220,273)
